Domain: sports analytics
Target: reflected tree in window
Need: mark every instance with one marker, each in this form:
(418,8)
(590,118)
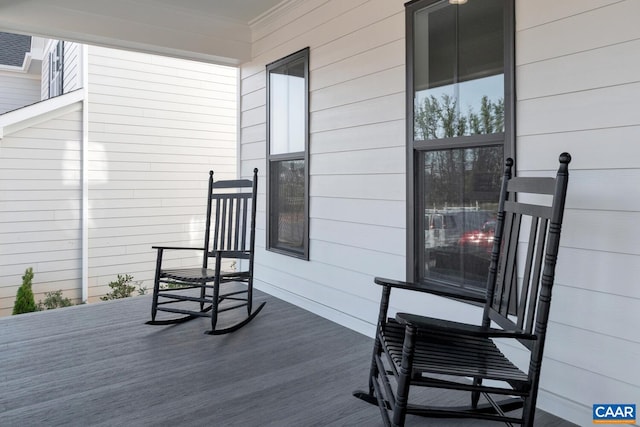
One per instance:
(441,118)
(290,204)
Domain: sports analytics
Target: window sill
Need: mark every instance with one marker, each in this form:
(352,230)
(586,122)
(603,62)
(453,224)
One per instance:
(289,253)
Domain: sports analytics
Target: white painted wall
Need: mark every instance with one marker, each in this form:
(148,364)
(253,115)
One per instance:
(577,76)
(40,208)
(17,90)
(157,125)
(357,182)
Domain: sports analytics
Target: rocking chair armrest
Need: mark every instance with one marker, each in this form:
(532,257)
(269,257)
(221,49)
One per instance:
(229,254)
(429,324)
(177,248)
(434,289)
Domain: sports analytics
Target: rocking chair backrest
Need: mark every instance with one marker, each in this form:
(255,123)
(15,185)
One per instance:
(522,303)
(231,212)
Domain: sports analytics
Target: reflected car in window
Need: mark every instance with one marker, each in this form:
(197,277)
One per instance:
(481,238)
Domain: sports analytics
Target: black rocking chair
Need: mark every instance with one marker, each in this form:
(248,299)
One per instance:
(416,351)
(232,207)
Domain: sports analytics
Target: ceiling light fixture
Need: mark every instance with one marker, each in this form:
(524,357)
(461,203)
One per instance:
(457,1)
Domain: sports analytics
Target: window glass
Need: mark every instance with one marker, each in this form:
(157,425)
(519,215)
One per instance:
(287,207)
(459,70)
(460,130)
(287,155)
(56,61)
(460,202)
(287,108)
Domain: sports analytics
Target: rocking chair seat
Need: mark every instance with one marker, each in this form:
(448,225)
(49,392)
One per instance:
(198,275)
(453,354)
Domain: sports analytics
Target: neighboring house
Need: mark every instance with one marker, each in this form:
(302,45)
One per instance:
(108,155)
(20,58)
(352,199)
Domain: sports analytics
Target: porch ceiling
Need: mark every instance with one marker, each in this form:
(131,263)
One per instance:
(212,31)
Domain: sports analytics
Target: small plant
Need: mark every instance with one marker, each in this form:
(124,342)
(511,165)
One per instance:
(54,300)
(172,285)
(24,297)
(123,287)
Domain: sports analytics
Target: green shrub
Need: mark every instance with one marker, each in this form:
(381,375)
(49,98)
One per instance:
(122,287)
(54,300)
(24,297)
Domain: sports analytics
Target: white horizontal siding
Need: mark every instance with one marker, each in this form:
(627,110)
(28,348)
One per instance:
(17,91)
(318,14)
(578,86)
(579,111)
(363,65)
(39,209)
(156,127)
(357,154)
(603,67)
(541,12)
(571,29)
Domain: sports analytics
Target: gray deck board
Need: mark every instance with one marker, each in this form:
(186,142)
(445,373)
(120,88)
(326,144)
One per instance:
(100,365)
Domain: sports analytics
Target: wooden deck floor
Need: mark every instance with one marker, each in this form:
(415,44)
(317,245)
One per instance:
(100,365)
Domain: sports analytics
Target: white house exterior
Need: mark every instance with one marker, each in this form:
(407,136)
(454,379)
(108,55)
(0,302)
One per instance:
(576,91)
(20,59)
(576,68)
(92,178)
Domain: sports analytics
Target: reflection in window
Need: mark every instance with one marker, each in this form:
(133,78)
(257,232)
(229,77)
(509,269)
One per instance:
(459,70)
(461,82)
(438,112)
(287,209)
(287,108)
(460,202)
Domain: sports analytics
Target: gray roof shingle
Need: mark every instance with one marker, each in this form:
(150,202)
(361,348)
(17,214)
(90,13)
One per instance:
(13,48)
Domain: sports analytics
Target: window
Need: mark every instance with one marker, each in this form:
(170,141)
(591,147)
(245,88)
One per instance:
(56,67)
(287,155)
(460,129)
